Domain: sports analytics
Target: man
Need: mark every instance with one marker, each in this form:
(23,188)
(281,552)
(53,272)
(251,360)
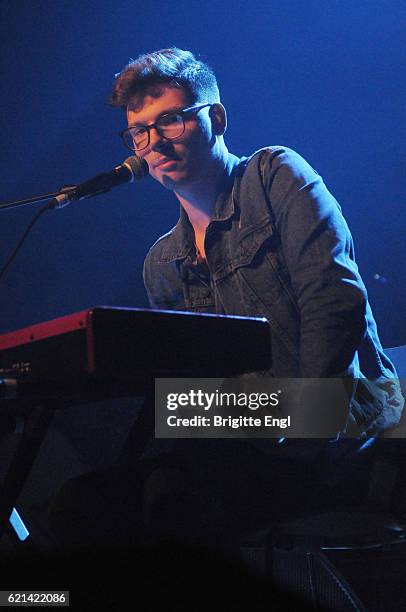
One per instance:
(256,236)
(259,236)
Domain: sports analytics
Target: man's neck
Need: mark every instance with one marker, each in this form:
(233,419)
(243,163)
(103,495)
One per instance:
(199,199)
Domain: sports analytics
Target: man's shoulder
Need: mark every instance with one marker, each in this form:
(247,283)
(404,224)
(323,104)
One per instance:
(275,168)
(272,150)
(273,156)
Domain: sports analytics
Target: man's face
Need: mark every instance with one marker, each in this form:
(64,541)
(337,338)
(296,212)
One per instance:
(180,162)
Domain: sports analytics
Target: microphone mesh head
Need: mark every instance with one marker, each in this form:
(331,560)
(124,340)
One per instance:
(138,166)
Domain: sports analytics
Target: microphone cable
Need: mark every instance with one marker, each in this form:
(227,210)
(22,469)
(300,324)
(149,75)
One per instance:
(19,244)
(50,205)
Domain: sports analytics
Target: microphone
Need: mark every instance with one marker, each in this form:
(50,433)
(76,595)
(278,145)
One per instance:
(133,168)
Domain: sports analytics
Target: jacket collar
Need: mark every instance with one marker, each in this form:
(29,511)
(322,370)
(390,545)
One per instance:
(181,238)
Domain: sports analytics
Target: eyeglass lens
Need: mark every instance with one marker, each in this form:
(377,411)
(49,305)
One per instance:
(169,126)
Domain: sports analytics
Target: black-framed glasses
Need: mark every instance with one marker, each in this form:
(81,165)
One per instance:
(169,125)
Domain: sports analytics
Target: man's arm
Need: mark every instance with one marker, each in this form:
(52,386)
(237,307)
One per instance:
(319,254)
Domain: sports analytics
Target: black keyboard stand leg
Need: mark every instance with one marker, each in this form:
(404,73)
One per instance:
(36,425)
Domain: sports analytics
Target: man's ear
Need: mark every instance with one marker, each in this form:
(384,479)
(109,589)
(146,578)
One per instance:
(218,117)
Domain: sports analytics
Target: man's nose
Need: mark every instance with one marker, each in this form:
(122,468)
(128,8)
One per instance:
(156,140)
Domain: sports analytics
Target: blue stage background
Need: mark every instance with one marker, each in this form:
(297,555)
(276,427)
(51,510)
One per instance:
(323,77)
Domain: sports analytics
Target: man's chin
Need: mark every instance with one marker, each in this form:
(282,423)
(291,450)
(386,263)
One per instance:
(173,180)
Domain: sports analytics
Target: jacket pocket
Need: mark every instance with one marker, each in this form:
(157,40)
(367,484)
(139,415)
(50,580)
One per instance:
(256,264)
(252,241)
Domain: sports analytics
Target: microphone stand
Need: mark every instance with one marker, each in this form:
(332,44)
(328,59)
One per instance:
(32,200)
(37,199)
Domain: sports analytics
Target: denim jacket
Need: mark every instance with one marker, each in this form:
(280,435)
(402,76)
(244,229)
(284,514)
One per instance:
(278,246)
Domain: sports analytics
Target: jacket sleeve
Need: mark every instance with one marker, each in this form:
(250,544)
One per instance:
(319,254)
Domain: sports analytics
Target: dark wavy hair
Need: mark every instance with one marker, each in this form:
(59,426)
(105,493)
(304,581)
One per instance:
(173,67)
